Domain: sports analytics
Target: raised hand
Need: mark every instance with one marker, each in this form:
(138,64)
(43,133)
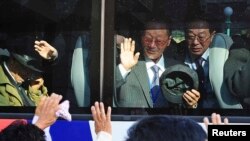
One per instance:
(215,120)
(45,50)
(127,56)
(102,120)
(46,110)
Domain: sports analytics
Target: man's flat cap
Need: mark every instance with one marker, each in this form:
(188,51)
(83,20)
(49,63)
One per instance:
(176,80)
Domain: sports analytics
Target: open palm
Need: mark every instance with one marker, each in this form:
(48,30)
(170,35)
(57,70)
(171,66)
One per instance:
(127,56)
(45,49)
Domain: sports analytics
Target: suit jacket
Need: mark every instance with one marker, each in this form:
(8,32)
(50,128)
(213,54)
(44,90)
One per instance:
(218,54)
(134,91)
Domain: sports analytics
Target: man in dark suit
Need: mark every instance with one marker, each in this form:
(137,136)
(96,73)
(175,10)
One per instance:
(135,77)
(206,52)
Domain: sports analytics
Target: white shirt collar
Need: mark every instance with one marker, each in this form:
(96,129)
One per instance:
(188,59)
(205,55)
(160,63)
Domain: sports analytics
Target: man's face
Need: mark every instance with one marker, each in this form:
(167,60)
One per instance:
(25,74)
(198,41)
(154,42)
(22,73)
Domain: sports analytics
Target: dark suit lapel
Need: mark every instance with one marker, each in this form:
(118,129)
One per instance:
(141,72)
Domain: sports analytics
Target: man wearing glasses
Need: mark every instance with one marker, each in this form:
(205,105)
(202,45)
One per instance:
(136,77)
(200,56)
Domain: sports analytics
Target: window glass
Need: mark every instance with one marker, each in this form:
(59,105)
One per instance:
(67,26)
(225,24)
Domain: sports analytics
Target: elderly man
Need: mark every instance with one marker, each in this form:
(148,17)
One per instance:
(137,78)
(21,83)
(206,53)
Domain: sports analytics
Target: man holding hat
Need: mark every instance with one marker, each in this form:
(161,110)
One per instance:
(137,79)
(206,52)
(21,83)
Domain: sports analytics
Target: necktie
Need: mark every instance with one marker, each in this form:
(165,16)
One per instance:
(201,74)
(155,88)
(200,70)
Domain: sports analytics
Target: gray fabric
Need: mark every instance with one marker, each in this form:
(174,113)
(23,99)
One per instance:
(4,52)
(221,40)
(218,54)
(79,72)
(237,76)
(135,90)
(176,80)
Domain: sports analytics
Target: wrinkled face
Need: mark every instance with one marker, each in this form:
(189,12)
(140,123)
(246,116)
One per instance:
(154,42)
(198,41)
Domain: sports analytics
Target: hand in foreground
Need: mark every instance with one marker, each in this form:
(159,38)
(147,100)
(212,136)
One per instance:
(215,120)
(128,59)
(102,119)
(192,97)
(46,110)
(45,50)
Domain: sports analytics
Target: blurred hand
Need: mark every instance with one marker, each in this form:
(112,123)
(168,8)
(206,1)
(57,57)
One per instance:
(40,105)
(46,110)
(192,97)
(37,84)
(128,59)
(102,119)
(215,120)
(45,50)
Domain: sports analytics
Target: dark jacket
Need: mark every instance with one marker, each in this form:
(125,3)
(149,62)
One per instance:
(218,53)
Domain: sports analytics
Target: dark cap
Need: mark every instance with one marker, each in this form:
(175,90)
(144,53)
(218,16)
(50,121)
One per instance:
(22,49)
(175,80)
